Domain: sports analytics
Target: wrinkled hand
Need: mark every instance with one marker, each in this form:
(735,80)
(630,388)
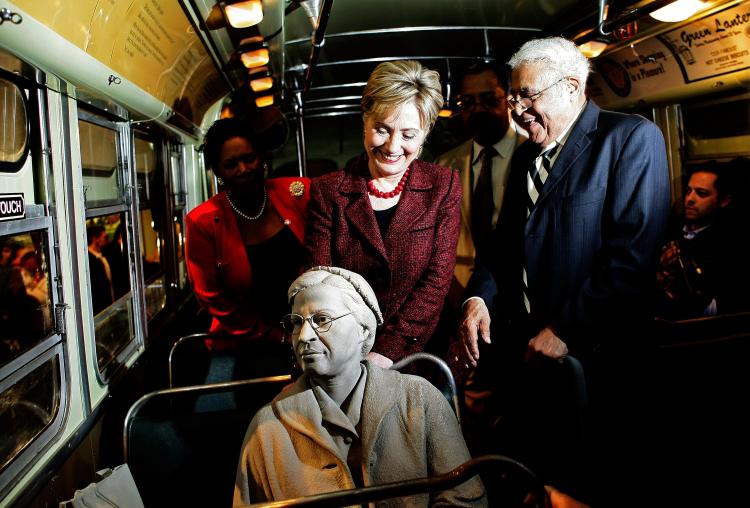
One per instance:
(381,361)
(546,343)
(475,318)
(560,500)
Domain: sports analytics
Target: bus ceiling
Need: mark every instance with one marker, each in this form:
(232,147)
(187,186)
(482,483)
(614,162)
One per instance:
(171,61)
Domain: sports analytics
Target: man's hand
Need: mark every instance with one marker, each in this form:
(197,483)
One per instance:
(379,360)
(475,318)
(546,343)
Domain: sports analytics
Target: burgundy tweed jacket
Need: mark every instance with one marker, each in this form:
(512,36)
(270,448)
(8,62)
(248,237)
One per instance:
(410,268)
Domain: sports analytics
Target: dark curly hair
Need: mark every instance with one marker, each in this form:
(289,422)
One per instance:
(223,130)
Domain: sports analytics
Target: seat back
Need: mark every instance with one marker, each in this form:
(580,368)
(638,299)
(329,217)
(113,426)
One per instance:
(522,487)
(183,456)
(440,376)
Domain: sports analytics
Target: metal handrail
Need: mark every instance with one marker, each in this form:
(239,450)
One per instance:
(452,478)
(200,389)
(194,336)
(443,367)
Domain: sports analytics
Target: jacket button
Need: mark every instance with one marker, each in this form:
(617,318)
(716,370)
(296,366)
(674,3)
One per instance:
(411,340)
(348,439)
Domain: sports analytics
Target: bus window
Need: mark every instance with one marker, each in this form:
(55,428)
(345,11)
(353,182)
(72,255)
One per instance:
(27,407)
(179,193)
(109,280)
(107,221)
(99,156)
(151,215)
(25,294)
(14,131)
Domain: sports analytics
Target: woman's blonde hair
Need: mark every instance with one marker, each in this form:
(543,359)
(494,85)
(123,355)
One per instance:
(393,84)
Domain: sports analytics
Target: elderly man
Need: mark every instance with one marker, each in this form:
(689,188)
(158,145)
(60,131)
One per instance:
(576,244)
(347,423)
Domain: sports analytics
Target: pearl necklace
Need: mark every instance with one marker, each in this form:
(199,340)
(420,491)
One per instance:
(371,189)
(247,217)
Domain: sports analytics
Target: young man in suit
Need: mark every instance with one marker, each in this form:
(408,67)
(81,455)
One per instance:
(493,138)
(572,260)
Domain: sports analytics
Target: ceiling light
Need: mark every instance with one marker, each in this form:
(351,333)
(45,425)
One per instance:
(255,58)
(244,14)
(266,100)
(592,49)
(261,84)
(678,11)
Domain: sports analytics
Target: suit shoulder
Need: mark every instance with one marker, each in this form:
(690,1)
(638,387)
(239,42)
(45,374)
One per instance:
(451,156)
(205,210)
(437,172)
(627,121)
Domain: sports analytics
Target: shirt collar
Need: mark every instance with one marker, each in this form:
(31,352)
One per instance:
(504,146)
(563,137)
(689,234)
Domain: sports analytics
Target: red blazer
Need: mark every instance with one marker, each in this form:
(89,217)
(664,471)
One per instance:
(411,268)
(217,262)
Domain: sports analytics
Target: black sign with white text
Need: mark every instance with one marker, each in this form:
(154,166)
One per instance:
(11,206)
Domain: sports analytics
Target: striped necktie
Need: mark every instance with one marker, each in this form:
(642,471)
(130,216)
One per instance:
(535,179)
(537,176)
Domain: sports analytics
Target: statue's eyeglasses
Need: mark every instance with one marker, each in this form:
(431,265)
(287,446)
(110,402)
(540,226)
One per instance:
(320,322)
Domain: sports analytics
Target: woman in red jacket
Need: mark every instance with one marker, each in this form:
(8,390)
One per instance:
(389,216)
(244,245)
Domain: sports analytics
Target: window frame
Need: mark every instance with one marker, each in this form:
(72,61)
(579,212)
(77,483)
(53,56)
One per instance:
(124,204)
(27,96)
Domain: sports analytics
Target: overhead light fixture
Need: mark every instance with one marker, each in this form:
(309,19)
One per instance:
(261,84)
(255,58)
(446,111)
(244,14)
(679,10)
(592,49)
(253,52)
(261,79)
(264,101)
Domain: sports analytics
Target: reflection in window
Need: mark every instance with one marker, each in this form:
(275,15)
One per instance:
(102,184)
(13,133)
(25,293)
(27,408)
(145,166)
(152,246)
(180,239)
(109,280)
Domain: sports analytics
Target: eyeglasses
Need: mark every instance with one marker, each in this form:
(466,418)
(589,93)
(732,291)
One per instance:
(526,101)
(320,322)
(487,99)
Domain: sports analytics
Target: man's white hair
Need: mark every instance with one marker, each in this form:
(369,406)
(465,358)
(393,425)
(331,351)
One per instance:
(560,58)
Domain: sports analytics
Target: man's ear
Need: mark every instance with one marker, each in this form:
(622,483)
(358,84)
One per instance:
(574,85)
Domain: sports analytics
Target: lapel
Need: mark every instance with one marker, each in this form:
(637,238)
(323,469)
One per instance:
(376,403)
(357,208)
(298,410)
(462,162)
(414,202)
(578,140)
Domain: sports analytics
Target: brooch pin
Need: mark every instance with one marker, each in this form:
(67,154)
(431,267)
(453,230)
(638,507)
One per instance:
(296,188)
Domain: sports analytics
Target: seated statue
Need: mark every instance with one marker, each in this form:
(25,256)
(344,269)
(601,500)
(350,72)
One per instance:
(346,423)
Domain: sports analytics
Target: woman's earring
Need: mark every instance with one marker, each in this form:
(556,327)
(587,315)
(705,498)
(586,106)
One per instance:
(220,181)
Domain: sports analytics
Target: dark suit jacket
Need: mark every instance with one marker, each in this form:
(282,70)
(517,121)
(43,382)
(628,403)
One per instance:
(101,288)
(411,268)
(217,262)
(591,242)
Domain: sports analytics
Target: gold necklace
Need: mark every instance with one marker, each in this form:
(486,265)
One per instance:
(247,217)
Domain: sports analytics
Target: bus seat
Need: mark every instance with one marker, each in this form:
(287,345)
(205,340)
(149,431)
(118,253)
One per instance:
(446,385)
(521,486)
(182,456)
(206,358)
